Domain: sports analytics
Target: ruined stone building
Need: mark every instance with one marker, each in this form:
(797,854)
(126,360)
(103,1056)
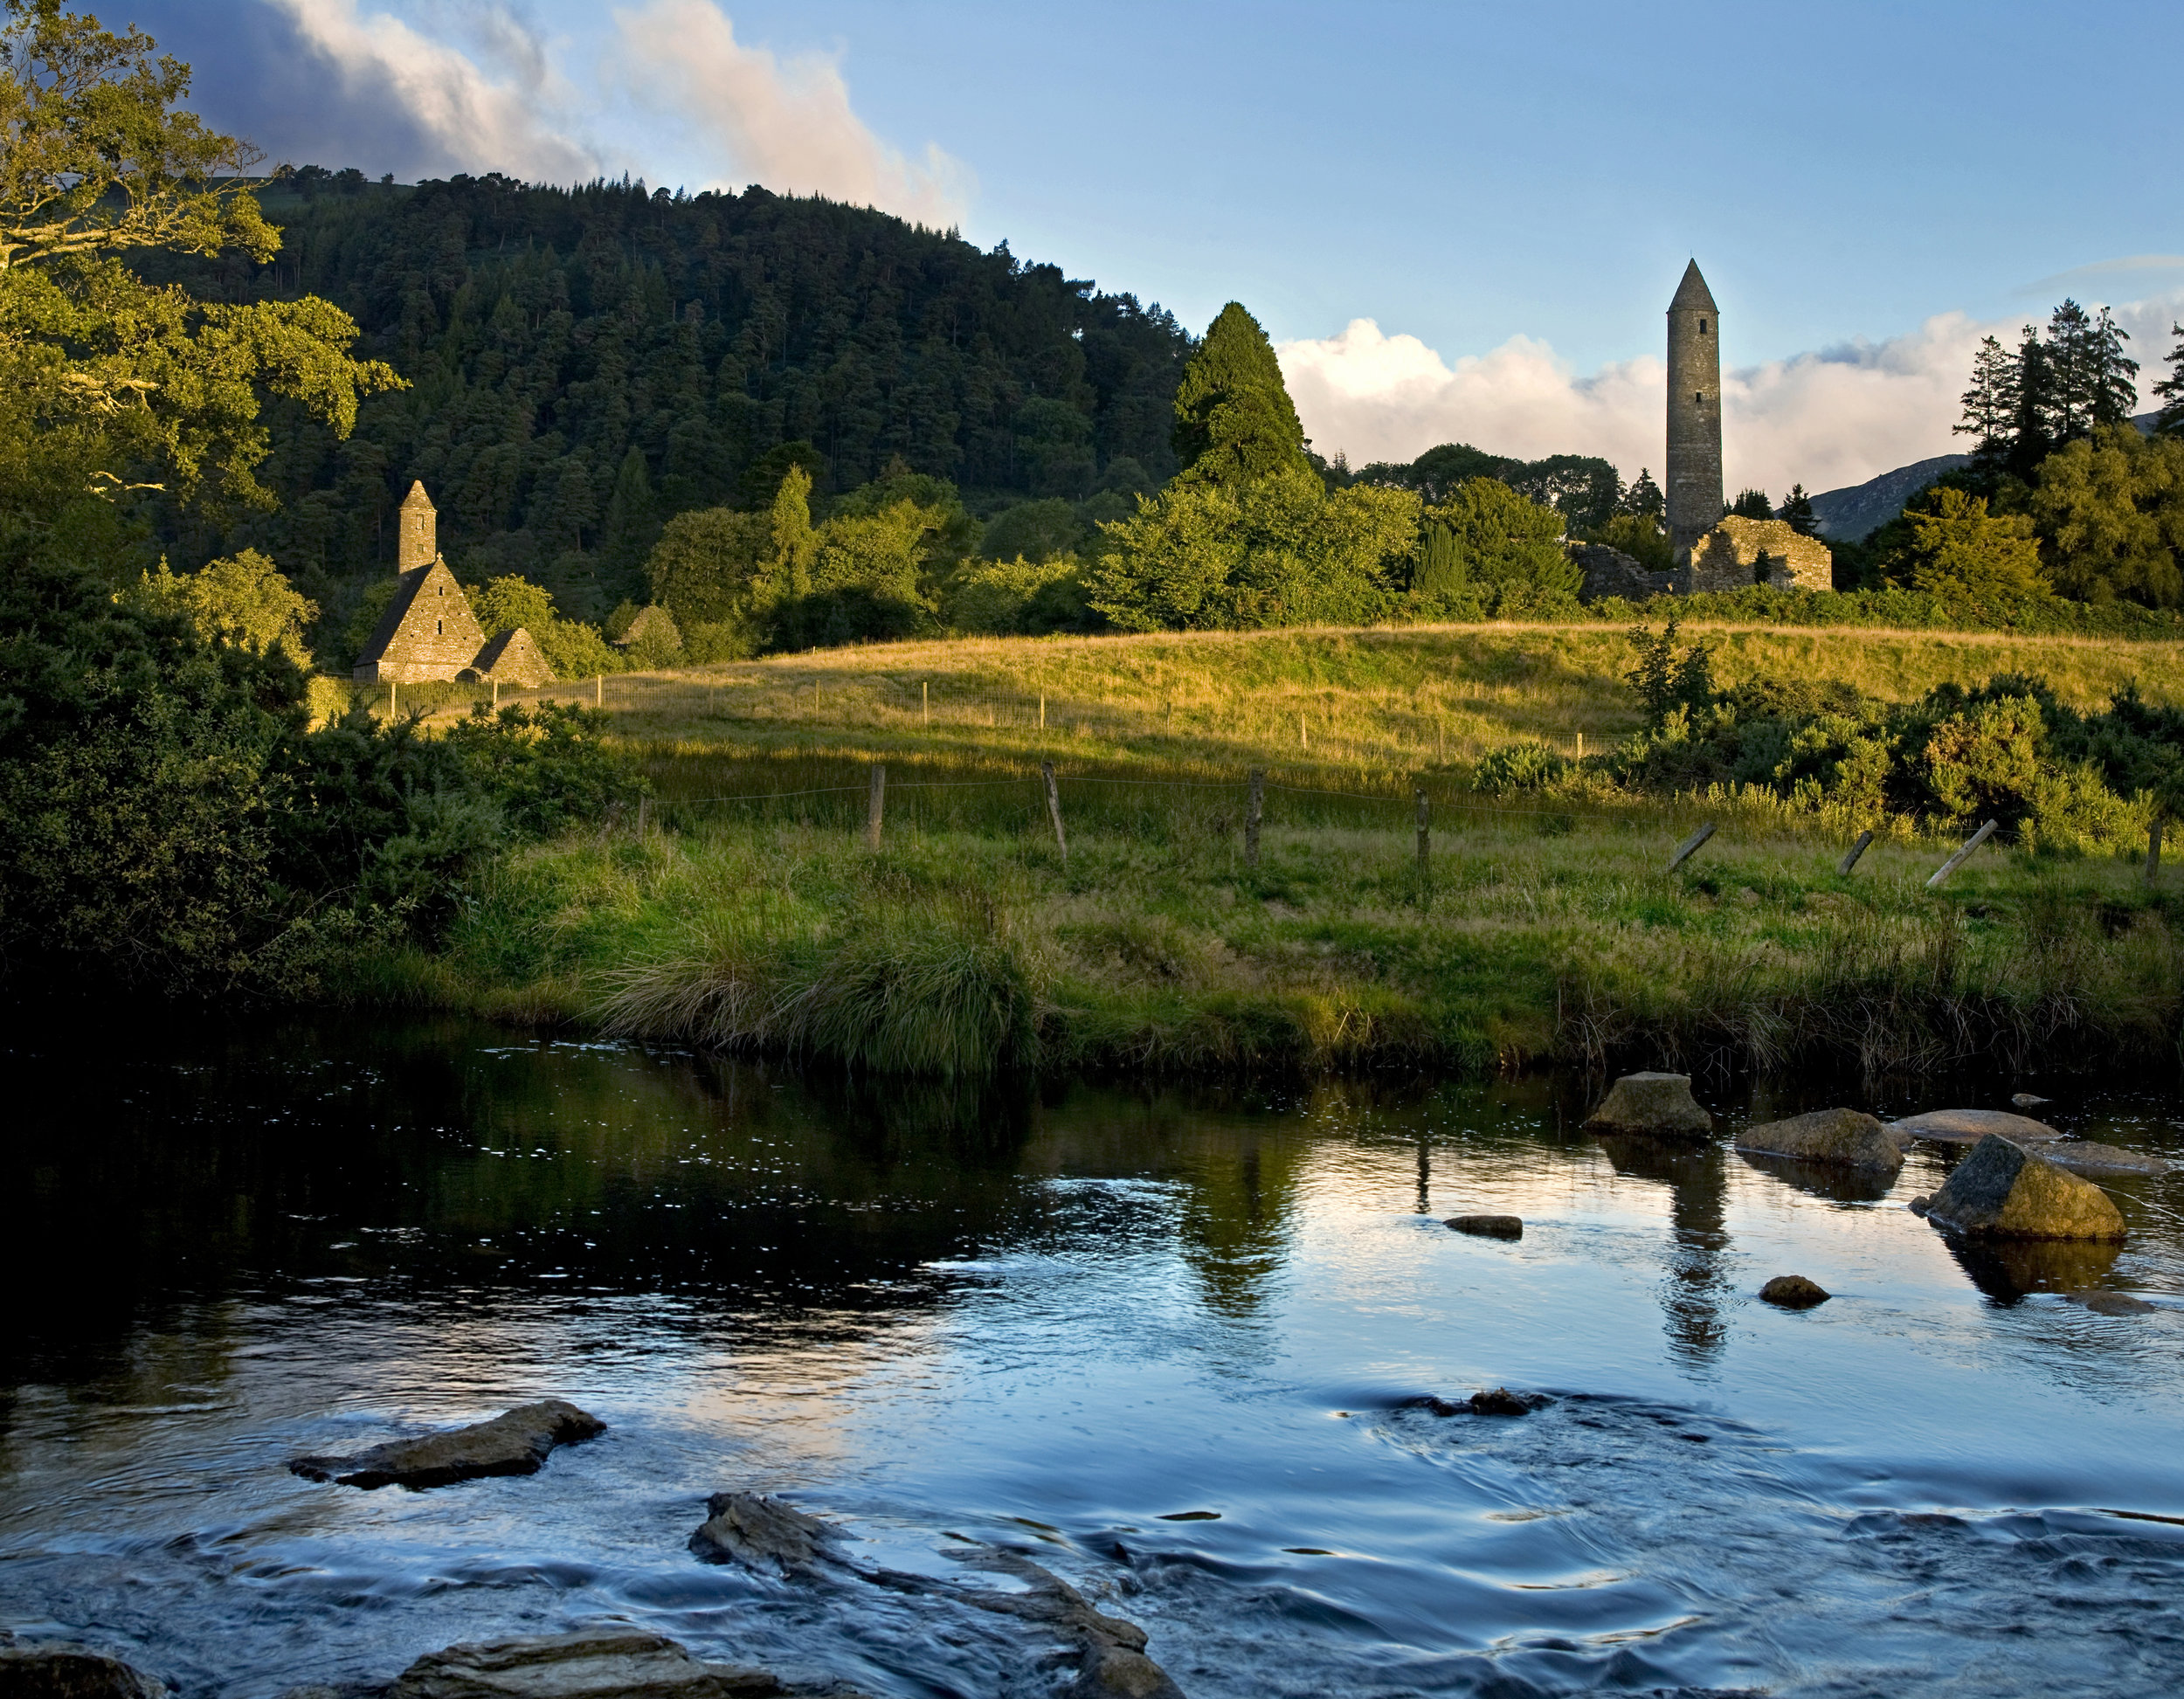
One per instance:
(428,630)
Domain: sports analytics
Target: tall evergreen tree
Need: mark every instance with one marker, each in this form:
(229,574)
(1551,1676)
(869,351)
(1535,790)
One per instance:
(1990,406)
(2112,378)
(1752,504)
(2170,421)
(1797,512)
(2033,432)
(1643,496)
(1234,423)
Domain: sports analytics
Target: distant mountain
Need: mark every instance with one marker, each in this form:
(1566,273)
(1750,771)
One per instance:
(1853,515)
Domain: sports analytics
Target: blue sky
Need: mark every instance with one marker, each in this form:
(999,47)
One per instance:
(1514,188)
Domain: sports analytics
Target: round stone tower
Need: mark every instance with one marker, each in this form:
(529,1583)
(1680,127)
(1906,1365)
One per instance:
(415,543)
(1694,459)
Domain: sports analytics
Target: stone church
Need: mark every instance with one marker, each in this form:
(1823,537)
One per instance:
(428,630)
(1713,549)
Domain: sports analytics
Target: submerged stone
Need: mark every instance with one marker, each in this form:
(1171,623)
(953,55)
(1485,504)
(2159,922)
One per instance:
(2003,1191)
(1500,1401)
(1832,1135)
(1658,1103)
(752,1527)
(2084,1156)
(514,1443)
(2025,1100)
(1970,1126)
(1488,1226)
(615,1663)
(1112,1662)
(2103,1302)
(1794,1292)
(72,1672)
(1921,1203)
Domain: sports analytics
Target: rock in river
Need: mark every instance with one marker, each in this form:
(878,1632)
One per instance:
(2084,1156)
(70,1672)
(515,1443)
(2102,1301)
(1794,1292)
(1657,1103)
(2003,1191)
(749,1528)
(1970,1126)
(611,1664)
(1488,1226)
(1835,1136)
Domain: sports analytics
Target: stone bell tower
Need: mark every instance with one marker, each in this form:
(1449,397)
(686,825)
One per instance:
(416,541)
(1694,458)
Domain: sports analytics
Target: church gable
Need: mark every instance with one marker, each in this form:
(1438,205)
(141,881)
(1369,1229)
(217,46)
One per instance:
(512,658)
(427,632)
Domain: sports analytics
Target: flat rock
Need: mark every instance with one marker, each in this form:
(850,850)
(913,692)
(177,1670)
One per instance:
(1661,1104)
(2102,1301)
(2084,1156)
(70,1672)
(1970,1126)
(751,1529)
(2025,1100)
(514,1443)
(1488,1226)
(2004,1191)
(1113,1663)
(1832,1135)
(612,1663)
(1795,1291)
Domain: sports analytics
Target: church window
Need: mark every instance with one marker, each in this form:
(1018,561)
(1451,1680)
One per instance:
(1702,326)
(439,628)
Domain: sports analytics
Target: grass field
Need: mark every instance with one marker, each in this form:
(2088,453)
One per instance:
(751,912)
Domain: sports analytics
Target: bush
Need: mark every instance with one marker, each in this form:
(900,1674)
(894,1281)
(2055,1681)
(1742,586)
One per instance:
(1527,765)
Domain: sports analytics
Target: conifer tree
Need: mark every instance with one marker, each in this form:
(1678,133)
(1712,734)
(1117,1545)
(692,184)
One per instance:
(2033,432)
(2169,422)
(1234,423)
(1990,406)
(1752,504)
(1797,512)
(1643,497)
(2112,389)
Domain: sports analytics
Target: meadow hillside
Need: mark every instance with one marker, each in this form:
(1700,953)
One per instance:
(750,909)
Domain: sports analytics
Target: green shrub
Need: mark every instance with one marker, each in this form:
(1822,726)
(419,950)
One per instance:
(1526,765)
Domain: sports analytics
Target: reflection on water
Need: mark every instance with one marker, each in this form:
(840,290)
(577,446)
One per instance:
(1058,1316)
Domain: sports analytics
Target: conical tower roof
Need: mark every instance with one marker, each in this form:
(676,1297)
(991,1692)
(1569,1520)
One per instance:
(1692,295)
(417,497)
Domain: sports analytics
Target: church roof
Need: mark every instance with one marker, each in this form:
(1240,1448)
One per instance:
(415,628)
(1692,295)
(513,657)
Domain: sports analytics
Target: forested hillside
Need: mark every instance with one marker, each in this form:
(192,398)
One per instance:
(587,361)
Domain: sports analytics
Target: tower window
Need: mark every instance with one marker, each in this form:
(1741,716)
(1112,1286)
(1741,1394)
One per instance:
(1702,326)
(439,628)
(1700,400)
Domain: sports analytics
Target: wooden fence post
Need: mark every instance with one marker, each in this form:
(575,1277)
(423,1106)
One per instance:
(644,815)
(1251,816)
(391,688)
(876,808)
(925,698)
(496,694)
(1053,807)
(1688,847)
(2153,849)
(1042,710)
(1962,855)
(598,690)
(1303,738)
(1857,849)
(1425,836)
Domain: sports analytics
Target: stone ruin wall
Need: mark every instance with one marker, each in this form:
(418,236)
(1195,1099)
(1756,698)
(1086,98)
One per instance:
(1740,553)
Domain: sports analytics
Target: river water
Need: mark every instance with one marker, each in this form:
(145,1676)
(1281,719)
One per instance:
(1060,1321)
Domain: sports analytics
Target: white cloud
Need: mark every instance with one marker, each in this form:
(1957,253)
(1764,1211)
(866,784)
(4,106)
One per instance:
(451,116)
(1823,419)
(787,124)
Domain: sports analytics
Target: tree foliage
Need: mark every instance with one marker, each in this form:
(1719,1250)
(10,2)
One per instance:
(2110,513)
(1959,551)
(1234,423)
(244,602)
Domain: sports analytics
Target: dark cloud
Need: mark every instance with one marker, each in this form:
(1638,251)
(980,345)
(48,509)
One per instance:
(258,74)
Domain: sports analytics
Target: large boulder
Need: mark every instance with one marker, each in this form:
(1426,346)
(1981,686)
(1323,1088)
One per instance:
(1970,1126)
(70,1672)
(752,1527)
(1661,1104)
(514,1443)
(2003,1191)
(612,1663)
(1832,1135)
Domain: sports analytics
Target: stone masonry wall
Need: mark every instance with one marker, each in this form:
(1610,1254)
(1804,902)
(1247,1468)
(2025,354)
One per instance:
(435,635)
(1738,553)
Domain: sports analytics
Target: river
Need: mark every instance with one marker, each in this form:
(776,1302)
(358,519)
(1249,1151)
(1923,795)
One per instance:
(1063,1318)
